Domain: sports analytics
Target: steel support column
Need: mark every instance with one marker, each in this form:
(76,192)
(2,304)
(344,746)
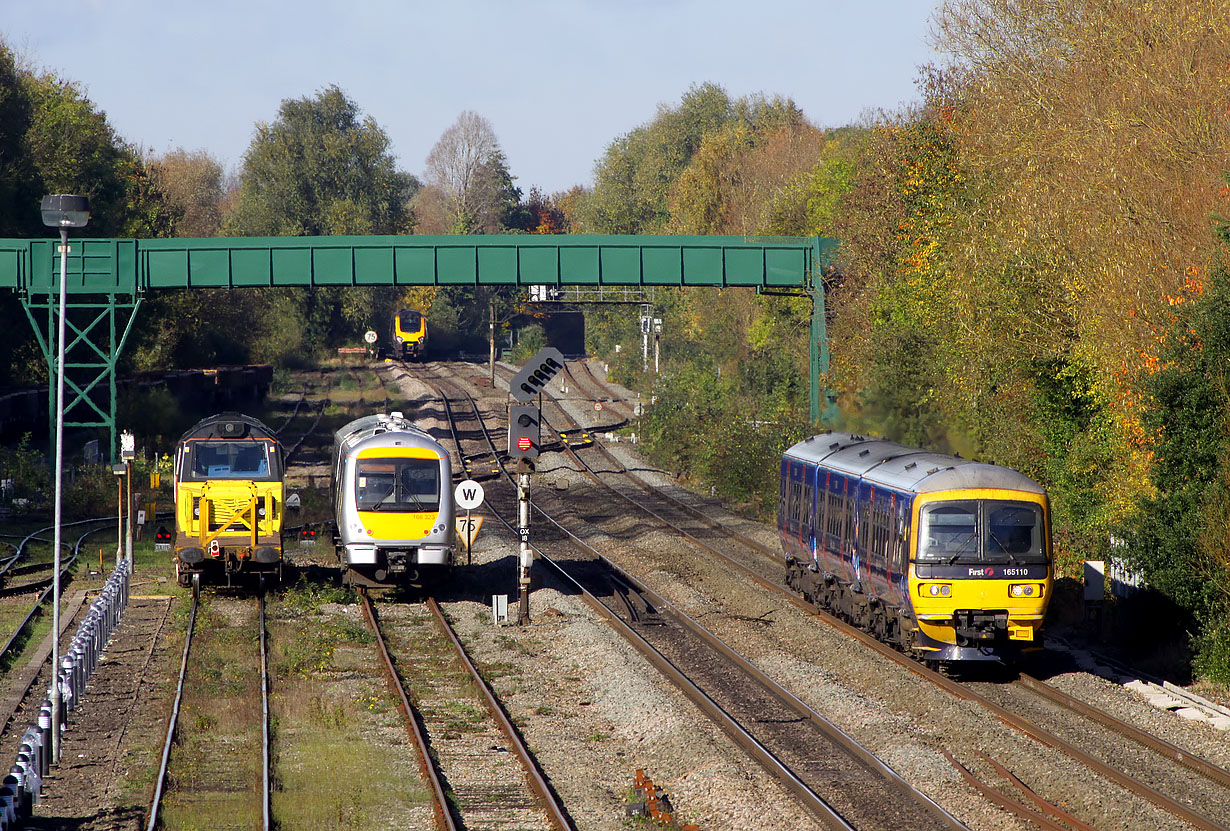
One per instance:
(823,401)
(96,334)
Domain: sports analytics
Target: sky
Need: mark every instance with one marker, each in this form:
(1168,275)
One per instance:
(559,80)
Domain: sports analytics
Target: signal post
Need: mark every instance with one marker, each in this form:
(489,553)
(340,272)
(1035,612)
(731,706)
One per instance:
(524,444)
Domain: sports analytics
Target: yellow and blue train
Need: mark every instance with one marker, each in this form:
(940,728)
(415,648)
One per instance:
(947,558)
(229,499)
(410,334)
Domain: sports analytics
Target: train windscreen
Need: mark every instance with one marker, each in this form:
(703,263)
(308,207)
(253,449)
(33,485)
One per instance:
(410,320)
(229,460)
(398,485)
(981,531)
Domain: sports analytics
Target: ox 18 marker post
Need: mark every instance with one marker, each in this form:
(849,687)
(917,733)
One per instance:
(524,435)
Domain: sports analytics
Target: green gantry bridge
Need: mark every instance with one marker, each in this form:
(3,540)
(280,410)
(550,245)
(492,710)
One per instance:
(107,279)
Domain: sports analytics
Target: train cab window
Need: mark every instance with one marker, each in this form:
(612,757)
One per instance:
(398,485)
(230,460)
(948,532)
(981,531)
(1014,532)
(411,321)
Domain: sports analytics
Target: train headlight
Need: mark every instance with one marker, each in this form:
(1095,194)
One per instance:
(935,589)
(1024,590)
(196,507)
(397,338)
(260,511)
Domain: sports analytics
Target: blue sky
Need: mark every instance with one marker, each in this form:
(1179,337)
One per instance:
(558,80)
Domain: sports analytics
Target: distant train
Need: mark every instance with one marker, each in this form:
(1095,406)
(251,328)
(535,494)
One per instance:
(409,334)
(947,558)
(229,500)
(393,501)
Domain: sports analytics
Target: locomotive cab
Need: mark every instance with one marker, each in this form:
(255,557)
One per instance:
(229,499)
(393,501)
(410,334)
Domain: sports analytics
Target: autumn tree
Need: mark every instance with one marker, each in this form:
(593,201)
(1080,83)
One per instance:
(469,187)
(634,177)
(193,184)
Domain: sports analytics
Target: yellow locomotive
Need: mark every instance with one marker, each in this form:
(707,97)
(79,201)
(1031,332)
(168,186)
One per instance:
(410,334)
(948,558)
(229,499)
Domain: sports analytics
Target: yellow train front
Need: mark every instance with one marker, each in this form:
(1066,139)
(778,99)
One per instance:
(229,500)
(410,334)
(948,558)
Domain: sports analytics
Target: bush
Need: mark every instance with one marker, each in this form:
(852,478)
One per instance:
(24,467)
(1212,659)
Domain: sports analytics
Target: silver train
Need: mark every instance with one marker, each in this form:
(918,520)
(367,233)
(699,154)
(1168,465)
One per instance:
(393,501)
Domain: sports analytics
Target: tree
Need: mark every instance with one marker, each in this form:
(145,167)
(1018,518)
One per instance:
(192,182)
(470,190)
(20,187)
(320,168)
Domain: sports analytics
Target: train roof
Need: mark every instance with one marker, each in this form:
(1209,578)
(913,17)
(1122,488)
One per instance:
(368,427)
(229,425)
(882,462)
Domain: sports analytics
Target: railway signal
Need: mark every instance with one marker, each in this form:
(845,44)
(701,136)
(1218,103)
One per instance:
(524,433)
(530,381)
(162,539)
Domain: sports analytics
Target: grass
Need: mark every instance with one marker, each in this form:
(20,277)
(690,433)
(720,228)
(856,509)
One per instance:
(215,764)
(327,775)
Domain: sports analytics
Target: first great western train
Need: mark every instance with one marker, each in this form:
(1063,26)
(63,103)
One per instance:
(947,558)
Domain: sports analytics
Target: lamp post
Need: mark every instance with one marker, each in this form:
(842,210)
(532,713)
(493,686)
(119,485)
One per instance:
(60,211)
(120,469)
(128,452)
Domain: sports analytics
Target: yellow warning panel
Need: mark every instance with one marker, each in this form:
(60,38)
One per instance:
(467,528)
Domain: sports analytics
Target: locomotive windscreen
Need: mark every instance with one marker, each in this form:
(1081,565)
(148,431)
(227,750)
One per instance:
(411,320)
(398,485)
(229,460)
(981,531)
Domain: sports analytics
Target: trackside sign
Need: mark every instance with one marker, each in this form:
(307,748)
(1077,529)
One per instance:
(528,383)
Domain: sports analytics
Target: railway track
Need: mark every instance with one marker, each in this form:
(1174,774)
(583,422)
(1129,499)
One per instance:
(205,767)
(851,788)
(469,789)
(1026,703)
(12,592)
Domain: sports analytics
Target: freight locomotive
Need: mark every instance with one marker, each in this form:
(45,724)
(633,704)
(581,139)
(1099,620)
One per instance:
(409,334)
(947,558)
(229,499)
(393,501)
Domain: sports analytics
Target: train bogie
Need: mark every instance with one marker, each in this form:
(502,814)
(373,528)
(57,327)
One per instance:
(947,558)
(229,500)
(393,502)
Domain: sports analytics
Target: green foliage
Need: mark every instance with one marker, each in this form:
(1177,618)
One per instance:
(320,168)
(307,597)
(701,423)
(530,340)
(636,176)
(20,187)
(54,140)
(24,465)
(1180,536)
(1212,659)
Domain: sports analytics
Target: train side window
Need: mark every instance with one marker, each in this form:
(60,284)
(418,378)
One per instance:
(807,504)
(847,512)
(835,510)
(822,504)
